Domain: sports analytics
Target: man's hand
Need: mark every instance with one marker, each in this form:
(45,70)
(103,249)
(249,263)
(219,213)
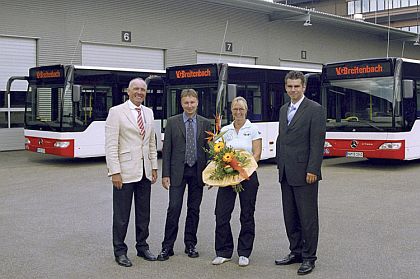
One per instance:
(166,182)
(117,181)
(311,178)
(154,176)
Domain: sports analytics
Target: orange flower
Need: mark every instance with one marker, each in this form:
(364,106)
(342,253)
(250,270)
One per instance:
(218,147)
(210,137)
(217,122)
(227,158)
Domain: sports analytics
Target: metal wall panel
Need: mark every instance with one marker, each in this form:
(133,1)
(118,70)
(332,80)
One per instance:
(17,55)
(203,58)
(122,56)
(11,139)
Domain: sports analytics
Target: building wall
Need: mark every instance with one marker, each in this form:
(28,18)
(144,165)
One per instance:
(182,28)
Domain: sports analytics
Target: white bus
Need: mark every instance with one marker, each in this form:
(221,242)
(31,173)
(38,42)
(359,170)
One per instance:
(217,85)
(67,105)
(373,108)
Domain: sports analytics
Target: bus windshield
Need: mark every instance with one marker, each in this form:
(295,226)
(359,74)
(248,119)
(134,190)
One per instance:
(207,94)
(364,104)
(50,108)
(43,108)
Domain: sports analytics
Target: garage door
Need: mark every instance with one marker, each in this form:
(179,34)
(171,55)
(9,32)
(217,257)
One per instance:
(203,58)
(17,55)
(300,65)
(122,57)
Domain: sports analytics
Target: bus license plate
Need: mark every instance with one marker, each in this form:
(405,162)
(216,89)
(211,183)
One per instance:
(354,154)
(40,150)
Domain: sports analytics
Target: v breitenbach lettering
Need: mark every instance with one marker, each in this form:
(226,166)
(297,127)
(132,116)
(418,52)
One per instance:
(192,74)
(358,70)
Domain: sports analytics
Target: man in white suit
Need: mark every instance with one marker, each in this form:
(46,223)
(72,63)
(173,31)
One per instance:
(131,159)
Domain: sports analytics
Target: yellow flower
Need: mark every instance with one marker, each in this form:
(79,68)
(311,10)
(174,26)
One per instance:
(218,147)
(227,158)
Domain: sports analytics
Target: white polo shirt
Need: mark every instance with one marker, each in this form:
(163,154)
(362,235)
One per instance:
(243,139)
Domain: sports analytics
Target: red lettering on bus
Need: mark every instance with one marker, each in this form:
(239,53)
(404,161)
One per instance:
(181,74)
(358,70)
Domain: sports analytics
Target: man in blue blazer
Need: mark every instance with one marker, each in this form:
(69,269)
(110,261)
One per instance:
(183,161)
(300,148)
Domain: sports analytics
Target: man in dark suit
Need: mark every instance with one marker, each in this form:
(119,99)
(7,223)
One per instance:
(183,161)
(300,147)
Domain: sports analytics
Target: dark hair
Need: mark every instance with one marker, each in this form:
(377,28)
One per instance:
(295,75)
(189,93)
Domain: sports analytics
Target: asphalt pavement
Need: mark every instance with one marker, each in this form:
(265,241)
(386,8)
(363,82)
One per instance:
(56,217)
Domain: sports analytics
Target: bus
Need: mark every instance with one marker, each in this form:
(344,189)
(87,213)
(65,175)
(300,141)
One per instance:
(217,84)
(67,105)
(373,108)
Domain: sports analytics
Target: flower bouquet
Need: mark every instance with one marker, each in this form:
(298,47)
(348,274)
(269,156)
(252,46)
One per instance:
(228,167)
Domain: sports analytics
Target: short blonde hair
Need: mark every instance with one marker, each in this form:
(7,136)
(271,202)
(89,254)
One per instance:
(189,93)
(239,100)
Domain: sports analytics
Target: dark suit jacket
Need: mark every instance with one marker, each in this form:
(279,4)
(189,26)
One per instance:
(173,151)
(300,145)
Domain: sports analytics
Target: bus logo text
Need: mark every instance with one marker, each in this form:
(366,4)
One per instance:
(358,70)
(48,74)
(193,74)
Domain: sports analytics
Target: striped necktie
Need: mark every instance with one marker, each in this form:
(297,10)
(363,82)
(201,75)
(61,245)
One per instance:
(290,114)
(140,122)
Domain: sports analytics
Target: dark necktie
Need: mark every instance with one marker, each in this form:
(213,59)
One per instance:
(190,153)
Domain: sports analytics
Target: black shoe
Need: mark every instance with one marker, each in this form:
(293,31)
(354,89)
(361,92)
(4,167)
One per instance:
(306,267)
(147,255)
(123,260)
(191,251)
(165,254)
(289,259)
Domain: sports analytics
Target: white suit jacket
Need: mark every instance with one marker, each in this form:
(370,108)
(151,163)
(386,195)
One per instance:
(125,149)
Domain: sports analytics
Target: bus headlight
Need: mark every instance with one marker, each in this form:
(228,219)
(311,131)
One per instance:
(62,144)
(27,141)
(390,146)
(327,144)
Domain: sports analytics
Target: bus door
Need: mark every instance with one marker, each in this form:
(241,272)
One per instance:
(95,101)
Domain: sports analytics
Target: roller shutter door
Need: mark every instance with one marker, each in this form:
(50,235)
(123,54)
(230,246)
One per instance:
(203,58)
(17,55)
(122,57)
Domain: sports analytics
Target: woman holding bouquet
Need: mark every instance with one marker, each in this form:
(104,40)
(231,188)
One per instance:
(241,134)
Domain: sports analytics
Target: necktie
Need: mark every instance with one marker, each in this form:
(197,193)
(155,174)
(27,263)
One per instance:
(190,153)
(290,114)
(140,122)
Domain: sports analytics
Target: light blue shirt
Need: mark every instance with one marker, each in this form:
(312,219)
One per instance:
(243,139)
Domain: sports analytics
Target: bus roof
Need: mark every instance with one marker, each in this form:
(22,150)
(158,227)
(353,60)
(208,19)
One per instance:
(119,69)
(316,70)
(371,59)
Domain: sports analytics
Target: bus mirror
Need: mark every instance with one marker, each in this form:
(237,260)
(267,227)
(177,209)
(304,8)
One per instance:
(231,92)
(408,89)
(76,93)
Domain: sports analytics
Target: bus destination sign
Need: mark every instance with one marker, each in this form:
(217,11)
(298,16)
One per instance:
(47,73)
(182,74)
(351,70)
(41,74)
(202,73)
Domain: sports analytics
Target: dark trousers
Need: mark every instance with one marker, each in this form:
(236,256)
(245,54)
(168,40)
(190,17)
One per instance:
(225,203)
(300,211)
(122,206)
(176,197)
